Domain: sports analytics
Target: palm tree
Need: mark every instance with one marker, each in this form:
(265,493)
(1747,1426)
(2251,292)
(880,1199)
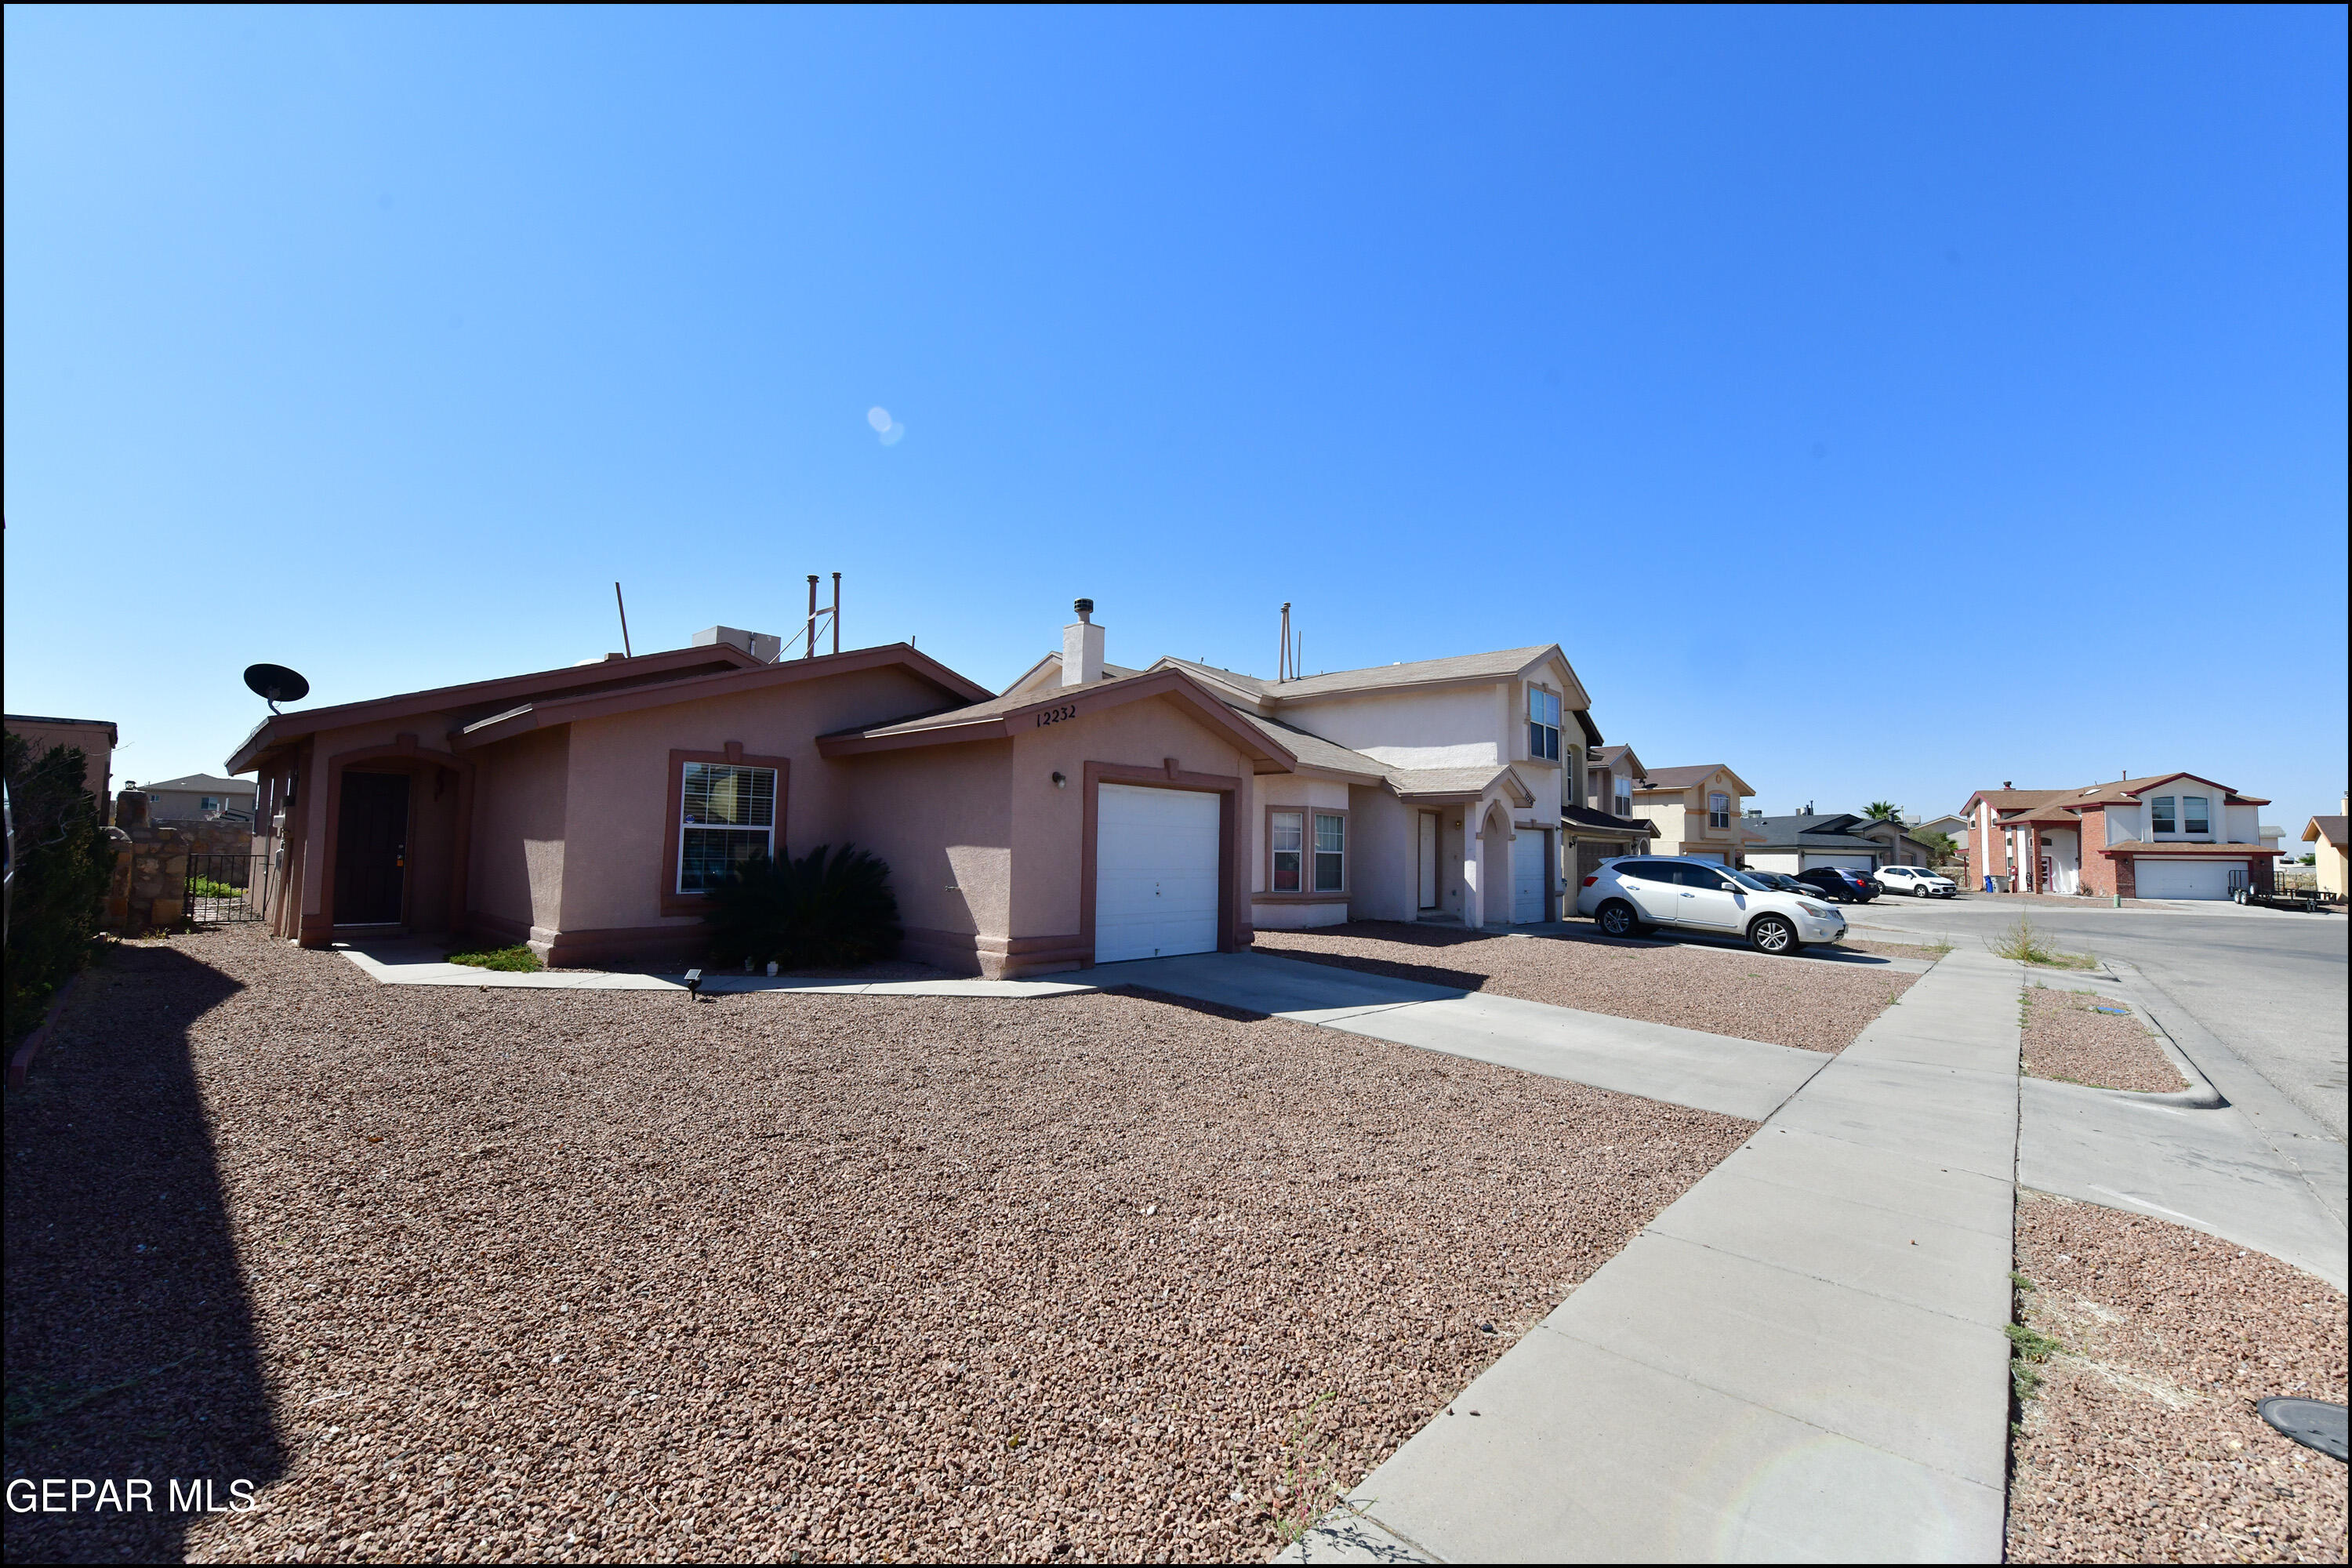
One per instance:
(1882,811)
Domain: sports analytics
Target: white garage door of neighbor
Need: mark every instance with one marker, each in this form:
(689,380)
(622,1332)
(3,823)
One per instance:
(1529,863)
(1703,854)
(1155,872)
(1851,862)
(2185,878)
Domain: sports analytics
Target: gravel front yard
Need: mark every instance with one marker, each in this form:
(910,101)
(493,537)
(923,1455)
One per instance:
(538,1274)
(2067,1039)
(1812,1006)
(2143,1444)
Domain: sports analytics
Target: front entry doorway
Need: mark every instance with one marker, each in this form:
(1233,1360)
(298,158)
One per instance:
(372,850)
(1427,863)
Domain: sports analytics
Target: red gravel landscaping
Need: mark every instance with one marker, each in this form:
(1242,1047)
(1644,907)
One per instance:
(1812,1006)
(2067,1039)
(2142,1444)
(614,1276)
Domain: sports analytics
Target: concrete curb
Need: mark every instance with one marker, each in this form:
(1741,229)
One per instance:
(2201,1096)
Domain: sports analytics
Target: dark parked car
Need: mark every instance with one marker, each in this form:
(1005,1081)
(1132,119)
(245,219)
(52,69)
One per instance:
(1781,882)
(1840,883)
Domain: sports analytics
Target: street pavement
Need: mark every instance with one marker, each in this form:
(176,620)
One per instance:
(2268,983)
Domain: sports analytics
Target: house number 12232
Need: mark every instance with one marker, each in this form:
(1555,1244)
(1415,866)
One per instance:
(1056,715)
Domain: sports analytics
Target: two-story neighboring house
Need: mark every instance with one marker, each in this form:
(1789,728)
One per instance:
(1602,823)
(2170,836)
(1696,811)
(1425,790)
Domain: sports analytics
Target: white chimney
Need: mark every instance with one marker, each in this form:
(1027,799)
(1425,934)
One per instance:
(1082,647)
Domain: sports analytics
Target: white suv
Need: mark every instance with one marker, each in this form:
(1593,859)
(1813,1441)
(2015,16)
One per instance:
(1637,890)
(1918,881)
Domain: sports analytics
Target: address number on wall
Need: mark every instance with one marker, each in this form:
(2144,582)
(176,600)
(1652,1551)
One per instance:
(1056,715)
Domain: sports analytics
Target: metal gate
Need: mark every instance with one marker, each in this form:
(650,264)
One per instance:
(224,889)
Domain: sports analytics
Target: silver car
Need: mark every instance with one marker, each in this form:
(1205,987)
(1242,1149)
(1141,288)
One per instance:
(1626,895)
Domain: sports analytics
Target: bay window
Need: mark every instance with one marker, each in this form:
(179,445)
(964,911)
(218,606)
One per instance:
(1543,724)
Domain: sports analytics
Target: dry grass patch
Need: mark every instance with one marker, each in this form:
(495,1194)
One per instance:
(1724,991)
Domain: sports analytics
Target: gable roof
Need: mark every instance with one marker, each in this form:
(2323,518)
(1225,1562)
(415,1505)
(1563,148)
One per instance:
(204,783)
(998,718)
(1684,777)
(1814,830)
(1313,751)
(2114,791)
(2335,829)
(1052,661)
(1609,756)
(1499,664)
(674,675)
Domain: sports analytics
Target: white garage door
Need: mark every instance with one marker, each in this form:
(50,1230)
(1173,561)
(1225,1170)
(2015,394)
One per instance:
(1703,855)
(1155,872)
(1851,862)
(2185,878)
(1529,863)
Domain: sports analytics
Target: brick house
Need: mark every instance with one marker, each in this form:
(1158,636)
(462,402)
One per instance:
(2169,836)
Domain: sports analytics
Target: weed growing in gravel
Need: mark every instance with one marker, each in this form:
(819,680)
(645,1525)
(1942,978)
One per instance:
(1309,1488)
(513,960)
(2024,944)
(2031,1348)
(2020,1280)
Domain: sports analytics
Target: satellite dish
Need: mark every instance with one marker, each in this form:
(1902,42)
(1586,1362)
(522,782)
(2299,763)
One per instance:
(273,683)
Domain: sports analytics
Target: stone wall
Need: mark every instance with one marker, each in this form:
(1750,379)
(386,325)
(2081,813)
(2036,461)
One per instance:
(149,888)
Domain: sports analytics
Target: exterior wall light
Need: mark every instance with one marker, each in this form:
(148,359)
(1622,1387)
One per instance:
(1060,783)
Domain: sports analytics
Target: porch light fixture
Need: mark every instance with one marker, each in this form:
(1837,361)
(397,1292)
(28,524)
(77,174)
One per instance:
(1060,783)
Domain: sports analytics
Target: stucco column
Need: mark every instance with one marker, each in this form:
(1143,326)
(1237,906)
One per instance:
(1473,895)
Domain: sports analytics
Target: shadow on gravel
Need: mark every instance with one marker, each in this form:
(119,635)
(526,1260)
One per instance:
(130,1346)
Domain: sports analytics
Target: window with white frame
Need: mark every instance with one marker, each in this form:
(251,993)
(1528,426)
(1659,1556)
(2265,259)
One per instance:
(1718,810)
(727,817)
(1624,797)
(1330,852)
(2160,817)
(1543,724)
(2192,815)
(1289,831)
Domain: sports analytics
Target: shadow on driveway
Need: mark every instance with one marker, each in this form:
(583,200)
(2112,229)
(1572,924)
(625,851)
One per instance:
(130,1343)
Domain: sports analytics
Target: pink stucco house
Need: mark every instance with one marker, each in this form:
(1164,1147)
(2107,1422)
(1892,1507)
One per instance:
(2168,835)
(1090,813)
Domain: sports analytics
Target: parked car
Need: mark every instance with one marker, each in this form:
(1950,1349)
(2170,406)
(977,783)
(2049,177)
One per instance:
(1918,882)
(1629,892)
(1843,883)
(1780,881)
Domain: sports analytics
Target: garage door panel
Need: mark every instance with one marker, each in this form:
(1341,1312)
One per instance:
(1848,862)
(2185,878)
(1529,862)
(1155,872)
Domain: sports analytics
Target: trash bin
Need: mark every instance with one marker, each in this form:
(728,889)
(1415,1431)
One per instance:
(1987,881)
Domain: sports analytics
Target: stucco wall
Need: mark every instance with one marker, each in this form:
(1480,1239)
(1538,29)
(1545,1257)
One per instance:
(96,754)
(1458,727)
(1048,823)
(942,816)
(1386,848)
(519,802)
(617,821)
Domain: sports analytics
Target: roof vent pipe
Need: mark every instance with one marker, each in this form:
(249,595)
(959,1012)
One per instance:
(1082,647)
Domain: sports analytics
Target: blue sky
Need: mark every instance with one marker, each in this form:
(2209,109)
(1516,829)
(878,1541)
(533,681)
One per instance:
(1884,403)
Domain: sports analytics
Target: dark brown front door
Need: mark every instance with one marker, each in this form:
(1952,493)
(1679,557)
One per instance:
(372,849)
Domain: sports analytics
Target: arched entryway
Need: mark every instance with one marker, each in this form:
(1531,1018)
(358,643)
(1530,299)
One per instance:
(398,822)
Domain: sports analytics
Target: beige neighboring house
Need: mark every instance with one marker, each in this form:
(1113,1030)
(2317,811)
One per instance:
(1603,825)
(199,797)
(96,737)
(1698,811)
(2328,837)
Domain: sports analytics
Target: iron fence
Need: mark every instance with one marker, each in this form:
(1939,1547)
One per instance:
(226,889)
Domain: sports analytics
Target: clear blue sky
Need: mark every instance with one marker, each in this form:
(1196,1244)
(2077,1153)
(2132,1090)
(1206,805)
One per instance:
(1884,403)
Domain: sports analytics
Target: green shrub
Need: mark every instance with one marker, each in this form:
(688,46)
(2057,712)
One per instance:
(516,960)
(2025,944)
(205,888)
(63,862)
(828,909)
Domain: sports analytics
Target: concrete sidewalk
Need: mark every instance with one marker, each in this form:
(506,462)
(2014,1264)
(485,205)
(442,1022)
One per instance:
(1746,1079)
(1803,1358)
